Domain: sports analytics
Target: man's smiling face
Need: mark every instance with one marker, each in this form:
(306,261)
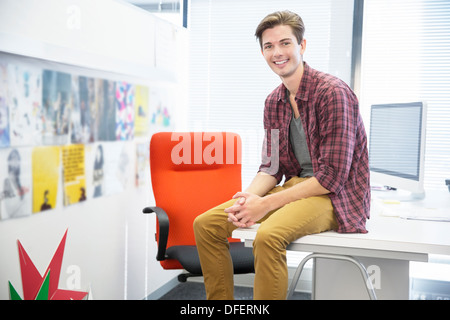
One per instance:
(281,51)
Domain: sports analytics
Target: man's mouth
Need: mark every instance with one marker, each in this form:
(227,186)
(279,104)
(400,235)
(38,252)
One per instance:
(280,62)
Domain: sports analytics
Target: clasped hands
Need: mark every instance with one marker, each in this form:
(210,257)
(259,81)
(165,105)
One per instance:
(247,210)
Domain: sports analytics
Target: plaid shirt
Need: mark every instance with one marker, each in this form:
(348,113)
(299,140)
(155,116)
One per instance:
(336,140)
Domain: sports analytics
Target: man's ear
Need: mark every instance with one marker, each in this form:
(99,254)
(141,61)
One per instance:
(303,46)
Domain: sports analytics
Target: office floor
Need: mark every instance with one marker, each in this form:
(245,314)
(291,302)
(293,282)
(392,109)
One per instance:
(196,291)
(421,290)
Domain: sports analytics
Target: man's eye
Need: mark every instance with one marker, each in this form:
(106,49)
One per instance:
(267,47)
(286,43)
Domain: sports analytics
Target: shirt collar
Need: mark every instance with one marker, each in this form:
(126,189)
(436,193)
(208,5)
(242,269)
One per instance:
(303,89)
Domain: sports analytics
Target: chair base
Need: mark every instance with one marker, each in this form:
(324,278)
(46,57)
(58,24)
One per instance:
(184,276)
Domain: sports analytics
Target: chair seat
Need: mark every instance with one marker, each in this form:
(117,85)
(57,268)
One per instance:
(243,261)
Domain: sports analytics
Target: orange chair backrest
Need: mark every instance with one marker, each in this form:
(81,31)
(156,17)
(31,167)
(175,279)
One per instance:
(191,172)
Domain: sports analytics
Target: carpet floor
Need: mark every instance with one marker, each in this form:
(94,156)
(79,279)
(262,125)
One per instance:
(196,291)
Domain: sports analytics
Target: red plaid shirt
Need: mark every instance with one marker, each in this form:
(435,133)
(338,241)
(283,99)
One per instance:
(336,140)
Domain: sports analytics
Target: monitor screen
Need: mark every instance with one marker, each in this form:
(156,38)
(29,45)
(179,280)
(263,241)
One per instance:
(396,140)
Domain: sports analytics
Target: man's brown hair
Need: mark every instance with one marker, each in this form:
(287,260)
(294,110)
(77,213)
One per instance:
(277,18)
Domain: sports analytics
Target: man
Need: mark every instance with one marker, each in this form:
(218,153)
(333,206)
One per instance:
(316,140)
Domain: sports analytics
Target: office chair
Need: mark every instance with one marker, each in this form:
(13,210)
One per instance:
(192,172)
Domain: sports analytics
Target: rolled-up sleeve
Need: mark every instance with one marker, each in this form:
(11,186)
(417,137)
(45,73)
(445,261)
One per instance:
(338,129)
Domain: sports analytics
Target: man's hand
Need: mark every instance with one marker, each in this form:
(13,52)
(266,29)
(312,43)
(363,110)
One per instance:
(248,206)
(251,207)
(247,210)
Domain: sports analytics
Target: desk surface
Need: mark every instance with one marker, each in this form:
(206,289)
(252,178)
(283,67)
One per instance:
(389,234)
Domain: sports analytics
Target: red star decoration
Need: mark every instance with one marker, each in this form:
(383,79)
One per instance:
(32,281)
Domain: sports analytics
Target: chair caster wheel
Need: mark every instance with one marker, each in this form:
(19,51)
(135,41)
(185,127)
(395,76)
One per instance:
(182,278)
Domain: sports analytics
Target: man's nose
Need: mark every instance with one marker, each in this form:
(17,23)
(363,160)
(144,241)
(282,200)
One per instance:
(277,51)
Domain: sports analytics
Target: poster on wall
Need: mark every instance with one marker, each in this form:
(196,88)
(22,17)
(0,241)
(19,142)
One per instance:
(142,116)
(108,168)
(84,115)
(106,127)
(124,110)
(142,161)
(24,101)
(161,108)
(46,175)
(4,112)
(74,180)
(95,170)
(117,166)
(15,183)
(57,105)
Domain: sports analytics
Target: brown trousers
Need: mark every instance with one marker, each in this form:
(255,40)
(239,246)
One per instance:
(278,228)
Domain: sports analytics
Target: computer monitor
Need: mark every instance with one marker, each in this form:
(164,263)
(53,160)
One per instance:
(397,147)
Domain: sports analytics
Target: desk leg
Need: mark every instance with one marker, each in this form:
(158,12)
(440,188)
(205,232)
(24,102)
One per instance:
(334,279)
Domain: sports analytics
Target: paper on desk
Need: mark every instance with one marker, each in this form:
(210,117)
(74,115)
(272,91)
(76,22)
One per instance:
(385,208)
(413,212)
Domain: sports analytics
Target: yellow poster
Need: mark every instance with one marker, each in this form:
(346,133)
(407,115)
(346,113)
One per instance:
(45,172)
(73,173)
(141,119)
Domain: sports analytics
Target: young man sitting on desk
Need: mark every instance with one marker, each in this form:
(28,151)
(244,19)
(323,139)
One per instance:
(315,138)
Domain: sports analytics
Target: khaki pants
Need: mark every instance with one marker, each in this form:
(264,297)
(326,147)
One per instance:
(278,228)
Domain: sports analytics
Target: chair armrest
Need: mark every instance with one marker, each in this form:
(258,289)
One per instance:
(163,222)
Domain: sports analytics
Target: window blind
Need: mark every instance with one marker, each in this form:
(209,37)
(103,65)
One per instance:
(405,58)
(228,77)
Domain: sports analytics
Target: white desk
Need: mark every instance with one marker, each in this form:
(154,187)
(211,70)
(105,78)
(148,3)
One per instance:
(392,242)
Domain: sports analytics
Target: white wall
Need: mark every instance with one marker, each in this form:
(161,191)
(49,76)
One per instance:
(109,240)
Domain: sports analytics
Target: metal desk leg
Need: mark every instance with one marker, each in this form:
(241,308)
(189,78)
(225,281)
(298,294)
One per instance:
(362,269)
